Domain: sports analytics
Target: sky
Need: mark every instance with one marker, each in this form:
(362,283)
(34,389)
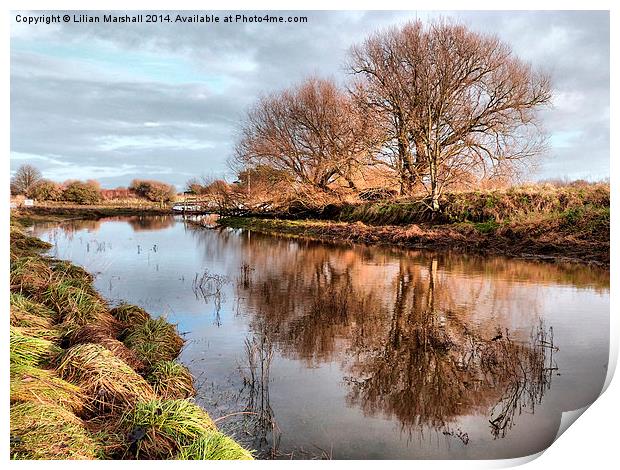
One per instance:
(116,102)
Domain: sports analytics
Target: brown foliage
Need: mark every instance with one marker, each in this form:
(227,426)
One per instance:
(452,101)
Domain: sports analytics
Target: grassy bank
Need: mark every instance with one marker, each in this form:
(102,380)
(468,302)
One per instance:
(568,224)
(93,382)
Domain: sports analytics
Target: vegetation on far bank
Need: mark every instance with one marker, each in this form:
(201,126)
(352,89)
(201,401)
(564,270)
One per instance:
(569,223)
(93,382)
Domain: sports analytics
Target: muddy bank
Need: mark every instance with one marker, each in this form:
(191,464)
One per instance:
(94,381)
(534,240)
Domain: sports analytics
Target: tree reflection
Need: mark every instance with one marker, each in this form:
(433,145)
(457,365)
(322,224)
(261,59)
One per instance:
(143,223)
(404,337)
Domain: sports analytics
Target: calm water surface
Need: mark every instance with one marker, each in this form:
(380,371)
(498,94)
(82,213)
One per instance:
(360,352)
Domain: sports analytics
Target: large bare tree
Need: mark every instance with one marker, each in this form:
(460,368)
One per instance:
(25,179)
(451,101)
(312,131)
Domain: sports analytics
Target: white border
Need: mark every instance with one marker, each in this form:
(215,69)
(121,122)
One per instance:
(591,442)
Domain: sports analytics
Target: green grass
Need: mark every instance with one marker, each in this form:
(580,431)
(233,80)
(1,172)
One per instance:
(29,351)
(214,446)
(32,307)
(76,305)
(168,425)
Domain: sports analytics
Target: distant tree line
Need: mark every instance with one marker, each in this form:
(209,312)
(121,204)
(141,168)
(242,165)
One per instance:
(428,107)
(28,181)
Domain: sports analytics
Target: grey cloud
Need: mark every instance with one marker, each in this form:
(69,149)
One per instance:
(72,111)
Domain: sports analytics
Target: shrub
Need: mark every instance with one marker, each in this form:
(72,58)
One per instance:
(155,191)
(82,192)
(46,190)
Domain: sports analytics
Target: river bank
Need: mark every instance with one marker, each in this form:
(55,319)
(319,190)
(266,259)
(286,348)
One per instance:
(92,381)
(528,240)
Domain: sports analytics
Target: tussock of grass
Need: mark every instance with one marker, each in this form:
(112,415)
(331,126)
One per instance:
(171,380)
(66,270)
(33,319)
(46,431)
(32,307)
(130,314)
(52,334)
(31,384)
(104,378)
(214,446)
(23,245)
(29,351)
(24,319)
(105,336)
(153,341)
(168,426)
(76,305)
(29,275)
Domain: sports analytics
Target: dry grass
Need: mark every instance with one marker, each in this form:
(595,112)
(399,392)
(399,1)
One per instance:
(32,307)
(130,314)
(23,245)
(153,341)
(49,432)
(105,335)
(29,275)
(108,381)
(171,380)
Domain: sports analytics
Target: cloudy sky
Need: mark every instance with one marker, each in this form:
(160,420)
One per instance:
(163,101)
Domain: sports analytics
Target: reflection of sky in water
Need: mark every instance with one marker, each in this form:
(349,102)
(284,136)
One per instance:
(339,316)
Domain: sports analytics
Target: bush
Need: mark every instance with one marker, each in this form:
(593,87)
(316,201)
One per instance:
(46,190)
(82,192)
(154,191)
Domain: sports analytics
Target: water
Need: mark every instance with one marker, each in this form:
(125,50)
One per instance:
(337,351)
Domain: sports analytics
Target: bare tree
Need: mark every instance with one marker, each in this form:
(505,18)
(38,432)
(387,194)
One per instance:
(25,179)
(314,132)
(452,102)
